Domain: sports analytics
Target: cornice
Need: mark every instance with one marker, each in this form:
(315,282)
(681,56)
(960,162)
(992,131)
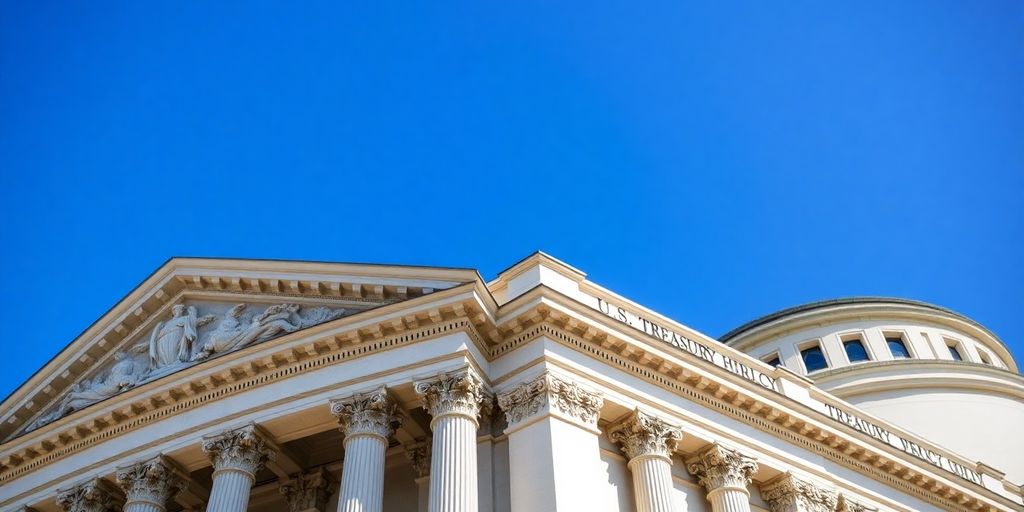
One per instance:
(880,376)
(553,316)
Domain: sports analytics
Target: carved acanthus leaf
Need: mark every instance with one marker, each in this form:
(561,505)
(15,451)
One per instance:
(94,495)
(307,491)
(373,413)
(550,391)
(243,449)
(156,480)
(791,494)
(419,455)
(459,393)
(845,504)
(643,434)
(718,467)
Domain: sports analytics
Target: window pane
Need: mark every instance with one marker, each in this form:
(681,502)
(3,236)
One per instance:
(897,348)
(814,359)
(955,353)
(855,351)
(774,361)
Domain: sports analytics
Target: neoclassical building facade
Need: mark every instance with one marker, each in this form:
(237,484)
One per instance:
(234,385)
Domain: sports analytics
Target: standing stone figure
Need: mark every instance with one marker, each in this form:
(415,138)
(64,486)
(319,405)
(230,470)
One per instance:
(171,341)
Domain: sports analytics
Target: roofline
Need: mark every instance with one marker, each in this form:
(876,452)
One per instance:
(184,259)
(847,301)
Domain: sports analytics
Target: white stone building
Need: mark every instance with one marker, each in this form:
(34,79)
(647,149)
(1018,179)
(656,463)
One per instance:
(231,385)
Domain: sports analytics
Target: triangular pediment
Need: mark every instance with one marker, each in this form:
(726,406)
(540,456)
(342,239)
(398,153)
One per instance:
(191,311)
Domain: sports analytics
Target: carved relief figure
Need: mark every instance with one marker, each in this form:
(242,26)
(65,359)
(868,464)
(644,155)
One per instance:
(126,372)
(171,341)
(234,332)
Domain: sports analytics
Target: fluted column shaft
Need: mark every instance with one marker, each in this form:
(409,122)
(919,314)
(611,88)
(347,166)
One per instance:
(454,401)
(453,469)
(725,474)
(652,484)
(648,443)
(237,456)
(366,420)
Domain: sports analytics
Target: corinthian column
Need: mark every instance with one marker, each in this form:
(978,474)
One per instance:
(554,450)
(94,495)
(237,456)
(150,484)
(454,400)
(648,443)
(367,420)
(788,493)
(725,474)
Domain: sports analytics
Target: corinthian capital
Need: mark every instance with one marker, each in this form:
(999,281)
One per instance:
(155,481)
(307,491)
(718,467)
(374,413)
(94,495)
(419,455)
(642,434)
(460,393)
(550,392)
(244,449)
(791,494)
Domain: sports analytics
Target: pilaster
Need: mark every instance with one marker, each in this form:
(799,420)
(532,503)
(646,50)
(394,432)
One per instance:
(553,441)
(419,456)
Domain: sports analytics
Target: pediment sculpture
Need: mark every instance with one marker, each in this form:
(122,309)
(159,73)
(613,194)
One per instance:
(188,338)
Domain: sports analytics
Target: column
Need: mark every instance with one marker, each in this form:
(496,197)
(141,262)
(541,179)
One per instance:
(419,455)
(725,474)
(237,456)
(788,493)
(554,449)
(454,401)
(367,420)
(149,485)
(648,443)
(307,492)
(95,495)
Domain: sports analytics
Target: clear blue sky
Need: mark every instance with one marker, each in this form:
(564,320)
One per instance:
(715,161)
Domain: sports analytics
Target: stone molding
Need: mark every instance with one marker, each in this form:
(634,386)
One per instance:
(95,495)
(307,491)
(547,392)
(459,393)
(645,435)
(245,449)
(156,481)
(844,504)
(789,493)
(419,455)
(718,467)
(372,413)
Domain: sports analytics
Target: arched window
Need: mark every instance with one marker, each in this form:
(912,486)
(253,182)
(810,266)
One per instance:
(814,358)
(897,348)
(855,350)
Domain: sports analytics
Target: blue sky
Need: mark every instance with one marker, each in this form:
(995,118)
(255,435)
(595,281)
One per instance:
(715,161)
